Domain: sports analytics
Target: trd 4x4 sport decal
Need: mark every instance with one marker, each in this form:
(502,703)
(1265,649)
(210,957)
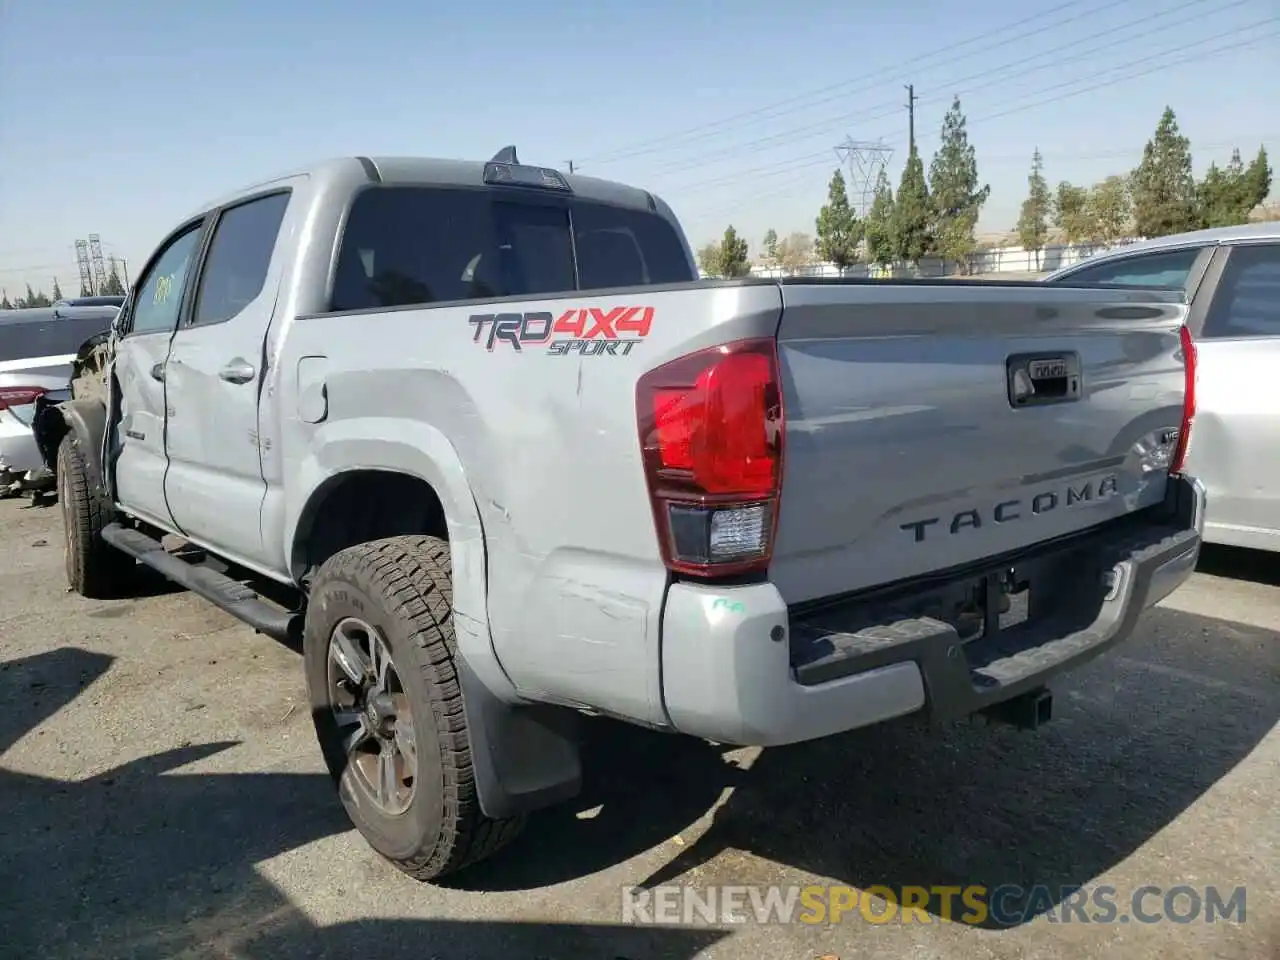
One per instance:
(581,331)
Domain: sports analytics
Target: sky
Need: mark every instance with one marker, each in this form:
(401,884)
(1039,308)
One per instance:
(122,118)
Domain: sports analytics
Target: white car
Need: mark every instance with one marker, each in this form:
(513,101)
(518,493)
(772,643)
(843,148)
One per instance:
(37,348)
(1231,278)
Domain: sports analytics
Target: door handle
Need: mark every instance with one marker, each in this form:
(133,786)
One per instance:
(237,371)
(157,372)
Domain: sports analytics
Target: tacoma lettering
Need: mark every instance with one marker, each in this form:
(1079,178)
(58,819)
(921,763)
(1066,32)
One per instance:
(1009,511)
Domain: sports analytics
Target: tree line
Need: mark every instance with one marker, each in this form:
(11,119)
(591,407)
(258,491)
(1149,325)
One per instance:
(113,287)
(1158,197)
(935,215)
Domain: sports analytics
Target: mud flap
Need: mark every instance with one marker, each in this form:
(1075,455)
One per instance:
(525,757)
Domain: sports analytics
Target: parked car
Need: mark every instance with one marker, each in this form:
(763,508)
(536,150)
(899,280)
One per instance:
(500,459)
(38,348)
(1231,278)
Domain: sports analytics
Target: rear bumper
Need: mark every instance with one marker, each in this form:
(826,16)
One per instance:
(18,450)
(739,667)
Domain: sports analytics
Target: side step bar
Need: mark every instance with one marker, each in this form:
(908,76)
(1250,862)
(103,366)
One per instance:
(218,588)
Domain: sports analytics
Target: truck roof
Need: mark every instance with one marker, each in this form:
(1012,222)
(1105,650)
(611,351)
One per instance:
(431,171)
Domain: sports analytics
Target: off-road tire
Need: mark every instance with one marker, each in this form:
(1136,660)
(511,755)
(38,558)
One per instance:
(403,587)
(95,569)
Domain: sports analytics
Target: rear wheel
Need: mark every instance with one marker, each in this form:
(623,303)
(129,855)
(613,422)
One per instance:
(387,705)
(94,568)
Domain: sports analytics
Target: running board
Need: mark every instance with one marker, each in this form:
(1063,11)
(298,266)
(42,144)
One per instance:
(231,595)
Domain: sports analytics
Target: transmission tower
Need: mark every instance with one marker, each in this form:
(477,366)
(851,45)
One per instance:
(86,271)
(99,268)
(865,159)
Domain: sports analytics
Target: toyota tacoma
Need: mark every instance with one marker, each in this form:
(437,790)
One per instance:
(477,437)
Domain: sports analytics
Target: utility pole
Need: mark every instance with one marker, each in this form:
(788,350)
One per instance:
(570,162)
(911,118)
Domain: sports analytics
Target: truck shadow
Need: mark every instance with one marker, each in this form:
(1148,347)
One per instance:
(1138,737)
(1236,563)
(141,862)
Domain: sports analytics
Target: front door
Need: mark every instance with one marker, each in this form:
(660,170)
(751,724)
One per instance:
(146,330)
(215,486)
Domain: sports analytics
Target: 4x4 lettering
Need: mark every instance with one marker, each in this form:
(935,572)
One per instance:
(628,322)
(571,323)
(604,322)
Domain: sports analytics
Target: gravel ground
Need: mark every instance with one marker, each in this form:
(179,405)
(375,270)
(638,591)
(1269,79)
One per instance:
(161,796)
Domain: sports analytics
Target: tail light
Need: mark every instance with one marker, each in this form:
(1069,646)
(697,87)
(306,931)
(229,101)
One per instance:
(711,433)
(1188,401)
(19,396)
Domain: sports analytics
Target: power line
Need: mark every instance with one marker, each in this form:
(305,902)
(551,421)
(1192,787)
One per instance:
(641,147)
(1162,63)
(1167,65)
(994,76)
(793,187)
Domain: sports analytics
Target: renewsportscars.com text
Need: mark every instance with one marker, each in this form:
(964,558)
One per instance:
(1007,905)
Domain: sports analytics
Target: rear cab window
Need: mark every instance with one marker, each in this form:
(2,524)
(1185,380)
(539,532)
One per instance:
(407,245)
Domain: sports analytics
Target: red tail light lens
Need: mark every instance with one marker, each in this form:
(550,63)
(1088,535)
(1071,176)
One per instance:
(19,396)
(1188,402)
(711,433)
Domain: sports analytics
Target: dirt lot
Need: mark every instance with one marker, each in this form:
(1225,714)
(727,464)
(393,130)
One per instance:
(161,796)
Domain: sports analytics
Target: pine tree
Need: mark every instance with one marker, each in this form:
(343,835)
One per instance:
(5,304)
(879,224)
(911,213)
(1033,221)
(838,227)
(733,254)
(57,290)
(770,245)
(953,184)
(114,285)
(1164,191)
(1258,179)
(1227,196)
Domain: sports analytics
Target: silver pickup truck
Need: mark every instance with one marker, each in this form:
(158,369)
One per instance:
(476,437)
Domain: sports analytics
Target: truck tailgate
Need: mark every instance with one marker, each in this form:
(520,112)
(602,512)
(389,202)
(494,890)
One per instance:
(934,425)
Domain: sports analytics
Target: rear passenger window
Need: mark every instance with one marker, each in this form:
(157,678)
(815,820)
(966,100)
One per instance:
(239,256)
(1247,300)
(1167,269)
(419,245)
(618,247)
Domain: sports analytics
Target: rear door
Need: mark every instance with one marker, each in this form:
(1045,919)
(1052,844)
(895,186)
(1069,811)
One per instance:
(1235,443)
(146,330)
(214,484)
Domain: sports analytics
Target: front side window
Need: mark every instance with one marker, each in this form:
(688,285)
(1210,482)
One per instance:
(158,299)
(239,256)
(1247,300)
(1165,269)
(419,245)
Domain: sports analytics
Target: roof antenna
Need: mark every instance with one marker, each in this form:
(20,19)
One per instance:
(506,155)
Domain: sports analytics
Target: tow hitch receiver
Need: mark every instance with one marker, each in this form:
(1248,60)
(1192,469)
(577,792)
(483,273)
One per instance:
(1027,711)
